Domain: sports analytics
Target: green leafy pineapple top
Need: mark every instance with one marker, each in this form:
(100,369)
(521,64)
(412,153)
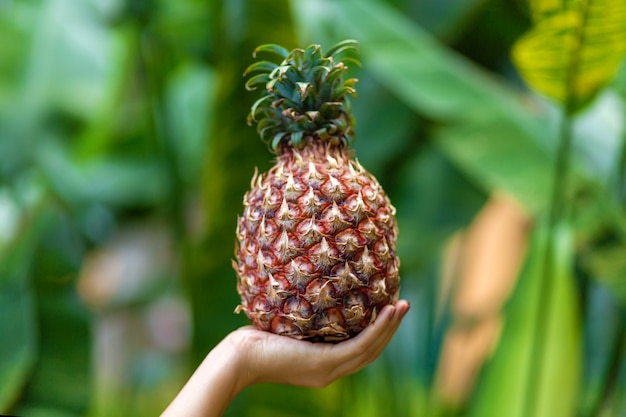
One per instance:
(305,97)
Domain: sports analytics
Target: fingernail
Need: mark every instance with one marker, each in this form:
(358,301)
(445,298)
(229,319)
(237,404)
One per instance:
(405,310)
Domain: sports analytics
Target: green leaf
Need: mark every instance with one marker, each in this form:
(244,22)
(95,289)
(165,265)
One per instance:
(262,78)
(502,389)
(604,327)
(273,49)
(276,140)
(262,66)
(447,19)
(296,138)
(608,266)
(574,49)
(109,180)
(313,54)
(483,150)
(349,44)
(189,104)
(56,383)
(18,325)
(303,90)
(255,107)
(17,348)
(426,174)
(421,72)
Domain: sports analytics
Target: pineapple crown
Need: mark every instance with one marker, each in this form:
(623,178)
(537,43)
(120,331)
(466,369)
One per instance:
(305,97)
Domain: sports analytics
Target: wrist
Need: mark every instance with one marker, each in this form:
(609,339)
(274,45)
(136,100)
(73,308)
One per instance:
(229,362)
(234,352)
(215,383)
(243,347)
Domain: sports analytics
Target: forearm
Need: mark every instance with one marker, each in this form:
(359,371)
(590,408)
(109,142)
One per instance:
(212,387)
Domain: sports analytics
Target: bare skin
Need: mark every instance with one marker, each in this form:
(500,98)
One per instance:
(248,356)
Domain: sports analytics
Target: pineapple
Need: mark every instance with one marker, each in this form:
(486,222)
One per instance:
(316,253)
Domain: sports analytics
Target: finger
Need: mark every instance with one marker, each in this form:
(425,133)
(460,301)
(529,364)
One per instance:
(385,331)
(360,361)
(332,358)
(367,338)
(372,351)
(382,333)
(389,331)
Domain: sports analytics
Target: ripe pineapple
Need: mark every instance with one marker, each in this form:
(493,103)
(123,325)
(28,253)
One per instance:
(316,258)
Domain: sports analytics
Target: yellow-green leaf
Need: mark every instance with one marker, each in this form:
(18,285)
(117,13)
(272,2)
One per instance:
(574,49)
(542,8)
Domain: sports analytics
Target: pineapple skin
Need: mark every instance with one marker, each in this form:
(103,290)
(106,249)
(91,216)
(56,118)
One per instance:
(316,255)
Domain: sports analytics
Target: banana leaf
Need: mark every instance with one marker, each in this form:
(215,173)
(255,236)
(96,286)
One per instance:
(573,49)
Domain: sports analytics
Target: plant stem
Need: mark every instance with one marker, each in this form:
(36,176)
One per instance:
(557,211)
(620,181)
(561,175)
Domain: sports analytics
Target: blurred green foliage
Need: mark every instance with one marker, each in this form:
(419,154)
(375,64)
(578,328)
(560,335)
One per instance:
(124,155)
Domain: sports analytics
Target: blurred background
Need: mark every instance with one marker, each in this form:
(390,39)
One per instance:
(125,154)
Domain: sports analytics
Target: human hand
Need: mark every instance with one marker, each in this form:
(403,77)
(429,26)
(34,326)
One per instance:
(248,356)
(267,357)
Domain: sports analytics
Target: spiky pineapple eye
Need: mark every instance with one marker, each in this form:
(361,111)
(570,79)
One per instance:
(316,255)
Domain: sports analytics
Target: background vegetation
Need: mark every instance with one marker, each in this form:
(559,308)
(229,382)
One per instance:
(124,155)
